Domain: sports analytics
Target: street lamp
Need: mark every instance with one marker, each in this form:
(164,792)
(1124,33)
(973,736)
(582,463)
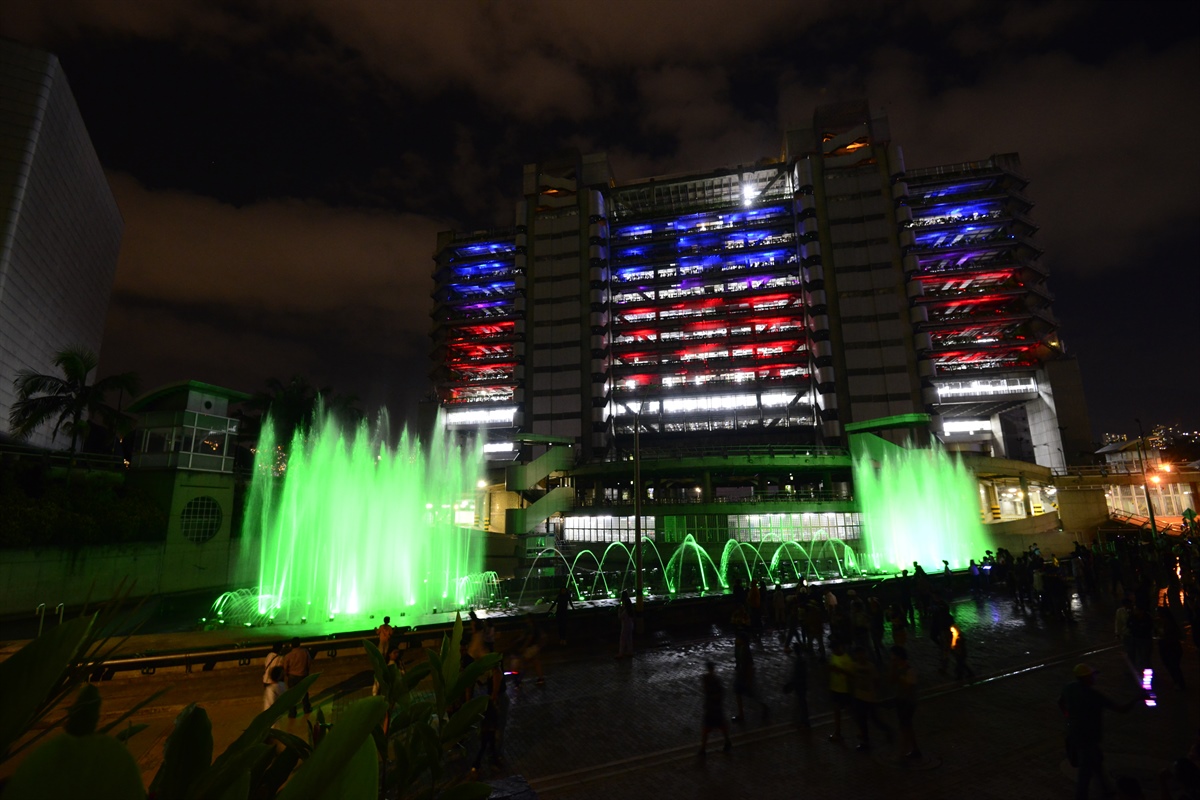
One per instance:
(637,497)
(1145,486)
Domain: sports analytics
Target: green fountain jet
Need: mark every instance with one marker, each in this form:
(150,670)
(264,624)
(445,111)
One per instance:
(345,524)
(918,505)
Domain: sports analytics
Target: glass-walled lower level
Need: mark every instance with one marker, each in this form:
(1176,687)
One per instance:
(1170,499)
(717,528)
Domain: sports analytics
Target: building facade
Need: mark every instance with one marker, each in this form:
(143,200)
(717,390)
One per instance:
(770,304)
(60,230)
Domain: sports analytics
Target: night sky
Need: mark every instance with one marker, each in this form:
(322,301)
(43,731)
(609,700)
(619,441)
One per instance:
(283,166)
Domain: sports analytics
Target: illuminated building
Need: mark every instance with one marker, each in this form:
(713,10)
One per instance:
(768,311)
(60,229)
(765,304)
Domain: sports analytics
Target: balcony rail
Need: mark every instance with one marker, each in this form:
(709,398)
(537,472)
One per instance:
(758,499)
(62,458)
(744,451)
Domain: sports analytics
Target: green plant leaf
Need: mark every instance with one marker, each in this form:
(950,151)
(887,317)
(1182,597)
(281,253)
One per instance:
(84,713)
(291,741)
(437,672)
(278,772)
(415,674)
(377,659)
(187,754)
(460,724)
(450,655)
(474,671)
(232,772)
(358,779)
(31,674)
(257,729)
(77,766)
(338,747)
(239,789)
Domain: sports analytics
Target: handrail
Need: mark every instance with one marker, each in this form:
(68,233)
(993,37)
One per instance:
(795,497)
(244,653)
(747,451)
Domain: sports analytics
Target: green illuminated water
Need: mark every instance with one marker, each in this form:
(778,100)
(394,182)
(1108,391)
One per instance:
(919,505)
(346,524)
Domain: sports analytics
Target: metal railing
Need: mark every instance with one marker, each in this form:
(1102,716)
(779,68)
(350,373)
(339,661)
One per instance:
(758,499)
(743,451)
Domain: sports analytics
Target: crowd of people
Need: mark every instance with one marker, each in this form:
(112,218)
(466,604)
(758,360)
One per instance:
(855,642)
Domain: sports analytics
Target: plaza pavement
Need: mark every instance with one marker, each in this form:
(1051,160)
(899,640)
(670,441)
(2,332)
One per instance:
(602,728)
(607,728)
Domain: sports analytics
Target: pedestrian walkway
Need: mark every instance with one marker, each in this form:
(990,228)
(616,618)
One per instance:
(630,728)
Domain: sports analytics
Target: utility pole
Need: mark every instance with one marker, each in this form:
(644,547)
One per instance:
(637,503)
(1145,485)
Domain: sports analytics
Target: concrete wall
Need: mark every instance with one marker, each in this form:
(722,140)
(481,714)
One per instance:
(1082,510)
(29,577)
(1017,535)
(179,564)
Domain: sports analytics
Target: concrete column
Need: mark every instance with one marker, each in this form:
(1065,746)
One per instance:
(706,485)
(1025,497)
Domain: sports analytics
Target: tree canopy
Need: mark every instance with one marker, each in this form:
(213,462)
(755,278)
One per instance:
(67,401)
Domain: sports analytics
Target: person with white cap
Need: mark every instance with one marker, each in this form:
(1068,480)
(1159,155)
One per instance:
(1084,710)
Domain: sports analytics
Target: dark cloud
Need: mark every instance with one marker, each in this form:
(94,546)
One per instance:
(285,164)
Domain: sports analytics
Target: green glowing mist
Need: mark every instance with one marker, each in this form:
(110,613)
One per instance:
(345,524)
(919,505)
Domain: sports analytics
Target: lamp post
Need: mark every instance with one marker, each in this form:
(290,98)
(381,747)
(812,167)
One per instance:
(637,498)
(1145,486)
(637,502)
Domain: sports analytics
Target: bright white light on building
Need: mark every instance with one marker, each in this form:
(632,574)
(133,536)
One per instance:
(481,484)
(966,425)
(986,387)
(724,402)
(482,416)
(748,195)
(499,447)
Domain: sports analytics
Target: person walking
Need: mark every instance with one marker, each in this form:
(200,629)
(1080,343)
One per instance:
(841,673)
(561,605)
(714,708)
(531,649)
(813,626)
(297,665)
(393,657)
(491,686)
(876,620)
(958,650)
(798,685)
(385,633)
(275,686)
(1084,708)
(273,659)
(744,676)
(903,680)
(906,603)
(1141,639)
(1170,646)
(865,701)
(625,618)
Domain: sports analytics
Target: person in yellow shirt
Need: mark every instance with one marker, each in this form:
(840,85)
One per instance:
(841,673)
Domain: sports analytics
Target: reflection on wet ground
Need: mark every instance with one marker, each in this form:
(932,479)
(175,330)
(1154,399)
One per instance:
(627,707)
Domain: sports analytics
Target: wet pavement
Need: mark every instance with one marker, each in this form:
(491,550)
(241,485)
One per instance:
(603,728)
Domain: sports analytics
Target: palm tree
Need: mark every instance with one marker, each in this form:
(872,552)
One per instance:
(68,401)
(294,406)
